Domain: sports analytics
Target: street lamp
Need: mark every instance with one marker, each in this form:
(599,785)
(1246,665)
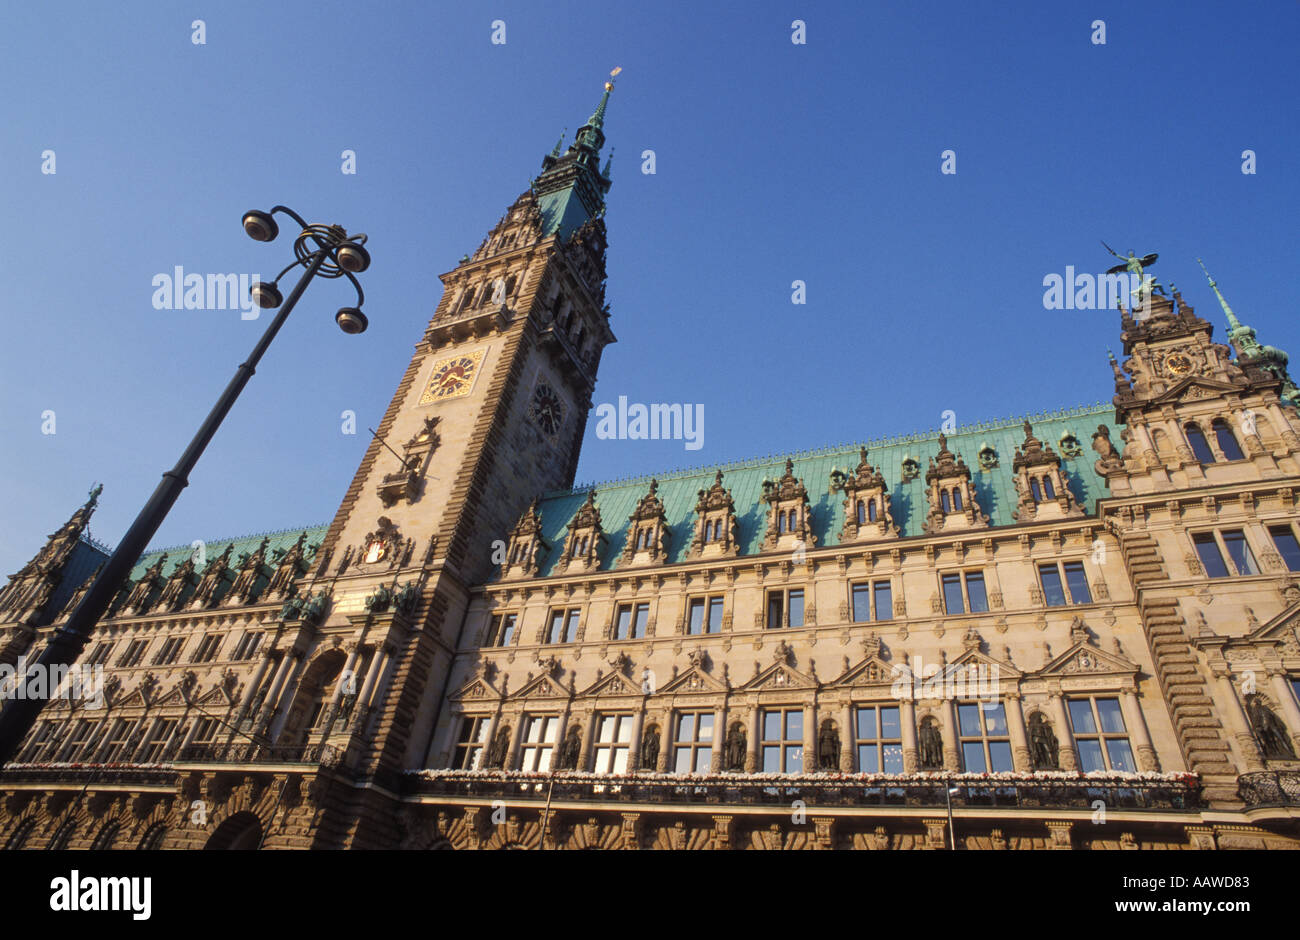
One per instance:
(949,793)
(324,250)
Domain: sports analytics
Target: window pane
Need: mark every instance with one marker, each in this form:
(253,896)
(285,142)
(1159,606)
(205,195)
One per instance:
(979,601)
(601,760)
(972,753)
(572,633)
(642,615)
(866,724)
(771,726)
(952,599)
(796,608)
(968,719)
(508,633)
(1287,546)
(1208,550)
(995,718)
(884,601)
(683,765)
(794,760)
(889,727)
(697,617)
(771,760)
(1200,449)
(868,759)
(686,727)
(1235,542)
(624,621)
(1112,719)
(1078,582)
(557,624)
(715,615)
(705,732)
(606,732)
(1090,755)
(1121,755)
(620,760)
(1000,757)
(1081,717)
(774,610)
(1227,440)
(893,758)
(703,760)
(861,603)
(794,726)
(1053,593)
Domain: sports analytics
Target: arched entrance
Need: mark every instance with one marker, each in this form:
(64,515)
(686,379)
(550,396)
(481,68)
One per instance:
(241,832)
(312,698)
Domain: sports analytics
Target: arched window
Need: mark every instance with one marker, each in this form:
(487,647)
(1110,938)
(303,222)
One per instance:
(1033,488)
(106,836)
(469,298)
(871,511)
(582,549)
(1227,440)
(510,285)
(943,501)
(1196,439)
(956,499)
(862,512)
(1048,488)
(792,520)
(780,521)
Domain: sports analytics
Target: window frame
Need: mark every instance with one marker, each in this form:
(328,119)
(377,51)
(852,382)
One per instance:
(985,739)
(885,755)
(1098,734)
(784,745)
(698,748)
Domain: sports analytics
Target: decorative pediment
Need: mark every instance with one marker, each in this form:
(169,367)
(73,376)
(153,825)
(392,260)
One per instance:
(866,506)
(716,529)
(210,695)
(692,681)
(647,530)
(613,683)
(543,686)
(780,675)
(1002,669)
(586,539)
(476,689)
(951,496)
(789,514)
(1085,658)
(525,545)
(871,671)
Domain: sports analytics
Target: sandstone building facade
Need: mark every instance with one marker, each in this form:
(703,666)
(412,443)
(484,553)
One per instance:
(1081,629)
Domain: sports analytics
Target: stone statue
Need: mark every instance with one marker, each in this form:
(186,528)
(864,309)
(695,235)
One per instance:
(930,745)
(1044,750)
(828,746)
(496,757)
(650,748)
(571,749)
(379,601)
(140,593)
(292,607)
(406,599)
(314,607)
(1101,443)
(1269,731)
(736,749)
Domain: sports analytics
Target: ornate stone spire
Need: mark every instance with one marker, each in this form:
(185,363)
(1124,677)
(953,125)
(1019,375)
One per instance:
(1250,352)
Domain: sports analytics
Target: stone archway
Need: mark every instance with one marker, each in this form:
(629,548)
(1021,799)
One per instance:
(311,698)
(240,832)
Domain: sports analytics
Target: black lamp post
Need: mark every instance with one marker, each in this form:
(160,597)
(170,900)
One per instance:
(324,250)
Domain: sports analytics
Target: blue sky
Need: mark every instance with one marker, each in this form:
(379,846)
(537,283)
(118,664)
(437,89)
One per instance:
(775,162)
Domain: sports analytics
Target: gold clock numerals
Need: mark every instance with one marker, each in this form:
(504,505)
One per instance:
(452,377)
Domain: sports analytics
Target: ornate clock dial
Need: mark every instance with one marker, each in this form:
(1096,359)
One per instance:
(452,377)
(1178,364)
(546,409)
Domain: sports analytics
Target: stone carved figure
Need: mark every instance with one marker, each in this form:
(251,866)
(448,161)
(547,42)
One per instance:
(379,601)
(496,757)
(406,599)
(292,606)
(650,748)
(1044,750)
(314,607)
(930,745)
(1269,730)
(571,749)
(828,746)
(736,748)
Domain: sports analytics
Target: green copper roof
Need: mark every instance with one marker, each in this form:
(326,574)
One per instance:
(282,540)
(994,489)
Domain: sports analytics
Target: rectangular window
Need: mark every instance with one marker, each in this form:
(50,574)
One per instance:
(782,744)
(248,645)
(879,740)
(979,600)
(539,742)
(101,653)
(705,615)
(982,737)
(564,626)
(168,652)
(1053,591)
(952,599)
(471,743)
(207,650)
(157,743)
(72,750)
(715,615)
(1295,690)
(1287,546)
(630,623)
(502,629)
(1100,734)
(775,610)
(695,625)
(613,744)
(1077,582)
(41,740)
(693,745)
(1211,558)
(861,603)
(134,653)
(1234,540)
(884,601)
(115,746)
(796,608)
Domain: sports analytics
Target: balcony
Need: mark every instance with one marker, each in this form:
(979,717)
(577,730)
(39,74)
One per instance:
(1149,793)
(240,752)
(1269,788)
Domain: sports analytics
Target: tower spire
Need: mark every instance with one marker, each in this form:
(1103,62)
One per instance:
(571,187)
(1249,349)
(1233,323)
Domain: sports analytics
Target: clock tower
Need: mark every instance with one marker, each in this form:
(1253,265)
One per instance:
(489,413)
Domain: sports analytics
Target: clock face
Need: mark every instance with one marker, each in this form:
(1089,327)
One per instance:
(546,409)
(1178,364)
(452,377)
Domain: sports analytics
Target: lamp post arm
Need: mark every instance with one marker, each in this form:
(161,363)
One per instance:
(19,714)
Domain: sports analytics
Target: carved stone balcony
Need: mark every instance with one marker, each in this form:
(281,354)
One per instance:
(1269,788)
(404,484)
(469,324)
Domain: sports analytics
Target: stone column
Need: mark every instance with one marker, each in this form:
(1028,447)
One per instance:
(665,722)
(277,685)
(1291,711)
(810,734)
(377,663)
(951,753)
(1019,739)
(1137,726)
(254,685)
(588,739)
(847,738)
(907,719)
(516,738)
(1064,734)
(719,737)
(488,735)
(753,764)
(346,677)
(638,725)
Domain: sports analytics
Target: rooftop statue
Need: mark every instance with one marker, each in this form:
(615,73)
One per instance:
(1136,266)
